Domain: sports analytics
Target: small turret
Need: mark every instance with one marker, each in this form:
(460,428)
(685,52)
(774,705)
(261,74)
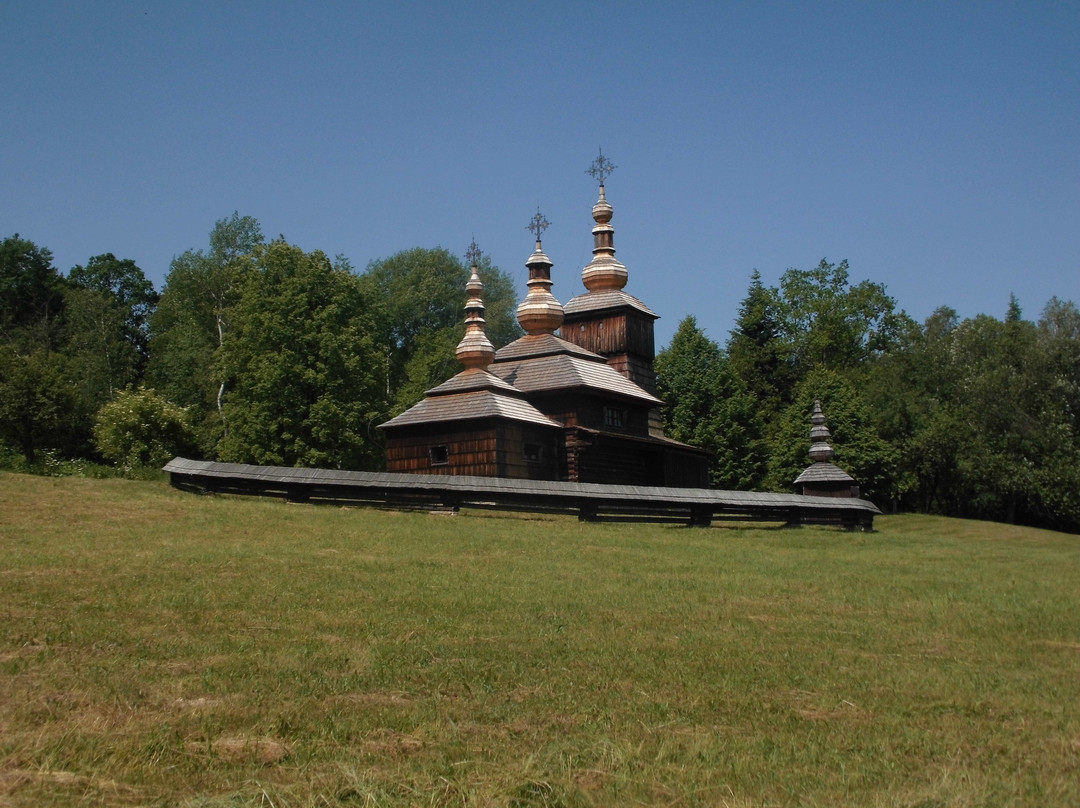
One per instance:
(822,478)
(539,312)
(475,349)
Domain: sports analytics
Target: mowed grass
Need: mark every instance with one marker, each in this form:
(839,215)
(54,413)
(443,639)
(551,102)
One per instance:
(162,648)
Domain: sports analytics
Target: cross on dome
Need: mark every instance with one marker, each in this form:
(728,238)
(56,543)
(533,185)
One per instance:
(538,224)
(473,253)
(601,168)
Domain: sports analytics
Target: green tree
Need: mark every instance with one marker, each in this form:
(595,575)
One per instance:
(984,414)
(907,392)
(707,407)
(140,428)
(109,306)
(39,406)
(38,402)
(418,298)
(759,353)
(191,322)
(31,294)
(302,372)
(816,319)
(125,285)
(832,324)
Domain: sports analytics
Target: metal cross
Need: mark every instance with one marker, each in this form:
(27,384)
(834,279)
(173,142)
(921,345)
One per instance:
(601,167)
(538,224)
(473,254)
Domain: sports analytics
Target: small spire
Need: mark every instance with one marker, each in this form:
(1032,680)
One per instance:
(604,272)
(475,349)
(820,449)
(539,312)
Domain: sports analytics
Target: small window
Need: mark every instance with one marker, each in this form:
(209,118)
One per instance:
(440,455)
(534,452)
(613,416)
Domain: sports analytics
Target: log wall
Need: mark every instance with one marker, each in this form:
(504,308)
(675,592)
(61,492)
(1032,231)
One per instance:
(488,450)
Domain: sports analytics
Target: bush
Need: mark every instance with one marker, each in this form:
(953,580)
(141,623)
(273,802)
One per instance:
(140,428)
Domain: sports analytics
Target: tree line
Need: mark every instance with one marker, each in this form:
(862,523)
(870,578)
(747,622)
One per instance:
(256,351)
(976,418)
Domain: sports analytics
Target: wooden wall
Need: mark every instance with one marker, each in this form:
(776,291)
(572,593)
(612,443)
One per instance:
(608,460)
(484,449)
(622,331)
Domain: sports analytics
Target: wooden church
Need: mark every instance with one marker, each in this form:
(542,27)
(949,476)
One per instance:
(572,400)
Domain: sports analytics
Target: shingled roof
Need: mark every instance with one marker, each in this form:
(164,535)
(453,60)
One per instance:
(824,472)
(474,405)
(564,372)
(607,299)
(533,345)
(473,379)
(473,393)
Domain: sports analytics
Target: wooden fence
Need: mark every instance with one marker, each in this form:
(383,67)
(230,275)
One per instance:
(590,501)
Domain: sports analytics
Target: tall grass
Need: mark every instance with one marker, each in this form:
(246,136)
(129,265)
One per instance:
(160,648)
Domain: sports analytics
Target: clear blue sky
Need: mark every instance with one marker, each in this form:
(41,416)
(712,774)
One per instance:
(934,145)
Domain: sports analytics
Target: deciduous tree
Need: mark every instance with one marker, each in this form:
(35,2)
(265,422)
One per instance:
(108,312)
(303,375)
(192,320)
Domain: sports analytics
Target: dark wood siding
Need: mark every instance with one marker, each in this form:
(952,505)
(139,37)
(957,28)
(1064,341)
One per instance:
(576,409)
(608,460)
(624,331)
(483,450)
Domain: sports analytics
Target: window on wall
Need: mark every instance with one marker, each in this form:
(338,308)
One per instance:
(534,452)
(614,416)
(440,455)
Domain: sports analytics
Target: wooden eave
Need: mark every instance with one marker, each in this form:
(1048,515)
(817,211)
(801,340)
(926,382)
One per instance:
(473,379)
(591,303)
(532,346)
(650,440)
(470,406)
(824,473)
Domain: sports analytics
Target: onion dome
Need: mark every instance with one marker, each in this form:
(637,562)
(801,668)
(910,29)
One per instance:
(604,272)
(539,312)
(475,349)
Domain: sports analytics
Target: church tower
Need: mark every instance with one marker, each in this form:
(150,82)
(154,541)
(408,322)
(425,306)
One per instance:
(606,320)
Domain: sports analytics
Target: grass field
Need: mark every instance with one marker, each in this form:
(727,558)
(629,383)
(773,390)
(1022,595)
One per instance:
(161,648)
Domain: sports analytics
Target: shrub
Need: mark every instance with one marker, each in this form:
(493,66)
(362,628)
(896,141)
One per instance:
(140,428)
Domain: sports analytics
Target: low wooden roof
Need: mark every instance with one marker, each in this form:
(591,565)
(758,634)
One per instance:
(645,440)
(479,488)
